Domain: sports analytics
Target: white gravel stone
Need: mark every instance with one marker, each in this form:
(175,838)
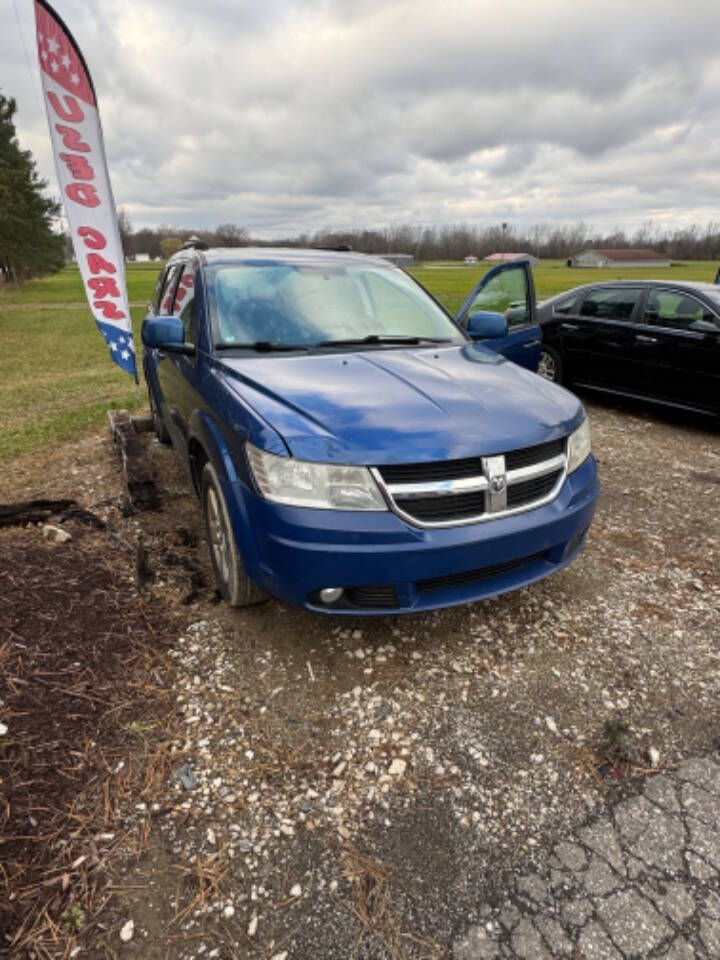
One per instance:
(397,767)
(296,891)
(127,931)
(253,925)
(55,534)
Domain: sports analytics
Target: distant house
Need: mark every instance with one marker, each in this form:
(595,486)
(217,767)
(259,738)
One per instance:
(507,257)
(142,257)
(470,260)
(636,257)
(399,259)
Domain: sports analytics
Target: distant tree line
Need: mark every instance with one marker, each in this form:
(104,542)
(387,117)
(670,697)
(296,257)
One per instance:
(450,242)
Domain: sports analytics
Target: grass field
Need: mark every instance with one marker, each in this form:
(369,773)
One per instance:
(56,378)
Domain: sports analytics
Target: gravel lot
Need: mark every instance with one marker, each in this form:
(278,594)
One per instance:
(374,789)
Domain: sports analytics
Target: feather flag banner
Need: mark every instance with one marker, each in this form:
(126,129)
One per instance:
(82,172)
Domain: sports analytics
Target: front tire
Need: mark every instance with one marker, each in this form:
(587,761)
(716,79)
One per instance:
(550,365)
(235,586)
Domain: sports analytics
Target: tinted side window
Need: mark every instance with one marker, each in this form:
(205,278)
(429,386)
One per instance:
(674,309)
(184,303)
(168,290)
(617,304)
(568,305)
(158,289)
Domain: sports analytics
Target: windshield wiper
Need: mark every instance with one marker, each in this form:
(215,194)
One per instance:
(262,346)
(382,339)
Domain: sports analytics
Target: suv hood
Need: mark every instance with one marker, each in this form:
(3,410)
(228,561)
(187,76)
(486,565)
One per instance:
(400,405)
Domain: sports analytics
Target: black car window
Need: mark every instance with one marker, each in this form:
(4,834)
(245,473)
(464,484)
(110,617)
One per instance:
(675,309)
(568,305)
(184,303)
(616,303)
(168,290)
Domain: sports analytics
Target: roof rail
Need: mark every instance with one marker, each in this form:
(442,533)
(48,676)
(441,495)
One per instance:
(337,248)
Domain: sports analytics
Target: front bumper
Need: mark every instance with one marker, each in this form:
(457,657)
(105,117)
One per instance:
(294,552)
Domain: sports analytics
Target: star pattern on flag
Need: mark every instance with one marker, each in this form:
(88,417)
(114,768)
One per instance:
(59,57)
(122,349)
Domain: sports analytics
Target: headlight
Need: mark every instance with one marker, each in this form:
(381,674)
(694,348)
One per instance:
(305,484)
(578,446)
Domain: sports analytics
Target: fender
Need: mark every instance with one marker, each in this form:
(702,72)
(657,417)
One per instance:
(228,459)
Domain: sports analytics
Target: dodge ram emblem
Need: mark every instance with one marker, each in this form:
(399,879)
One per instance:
(497,483)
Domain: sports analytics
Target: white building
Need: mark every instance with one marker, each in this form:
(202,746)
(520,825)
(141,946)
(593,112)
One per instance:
(637,257)
(399,259)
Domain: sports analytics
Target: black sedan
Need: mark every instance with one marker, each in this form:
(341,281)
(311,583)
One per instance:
(652,339)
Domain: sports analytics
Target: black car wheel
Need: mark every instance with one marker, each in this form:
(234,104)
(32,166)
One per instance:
(159,427)
(236,588)
(550,365)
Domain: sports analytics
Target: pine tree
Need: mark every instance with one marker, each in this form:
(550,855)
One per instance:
(28,246)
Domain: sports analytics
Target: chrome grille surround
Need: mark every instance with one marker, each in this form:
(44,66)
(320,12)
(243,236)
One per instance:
(493,481)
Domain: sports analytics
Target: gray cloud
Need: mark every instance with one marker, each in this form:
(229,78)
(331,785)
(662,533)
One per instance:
(287,117)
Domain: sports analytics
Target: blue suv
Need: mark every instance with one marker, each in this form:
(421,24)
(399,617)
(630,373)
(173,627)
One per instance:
(356,450)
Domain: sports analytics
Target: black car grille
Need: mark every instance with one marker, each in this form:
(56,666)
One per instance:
(446,506)
(529,456)
(520,494)
(473,576)
(379,595)
(427,472)
(439,509)
(468,466)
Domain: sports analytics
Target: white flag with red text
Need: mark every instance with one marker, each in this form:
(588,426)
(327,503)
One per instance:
(82,172)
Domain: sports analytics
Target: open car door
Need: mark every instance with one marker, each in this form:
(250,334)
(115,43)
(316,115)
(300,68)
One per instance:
(501,313)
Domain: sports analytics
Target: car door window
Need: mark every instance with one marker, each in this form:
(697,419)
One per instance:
(611,304)
(568,305)
(675,310)
(507,293)
(167,297)
(184,302)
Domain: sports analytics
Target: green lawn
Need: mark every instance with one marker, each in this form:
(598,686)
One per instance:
(56,378)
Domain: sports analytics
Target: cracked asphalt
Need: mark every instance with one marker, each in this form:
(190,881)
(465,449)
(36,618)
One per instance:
(641,882)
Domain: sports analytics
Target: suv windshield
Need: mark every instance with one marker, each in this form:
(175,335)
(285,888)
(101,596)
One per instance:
(319,304)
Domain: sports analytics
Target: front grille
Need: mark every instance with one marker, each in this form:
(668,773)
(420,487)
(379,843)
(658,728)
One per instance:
(519,494)
(473,576)
(439,493)
(468,466)
(428,472)
(529,456)
(436,509)
(379,595)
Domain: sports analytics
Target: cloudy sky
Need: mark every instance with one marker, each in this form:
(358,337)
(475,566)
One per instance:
(285,116)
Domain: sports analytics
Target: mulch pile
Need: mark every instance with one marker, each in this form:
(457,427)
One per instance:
(85,715)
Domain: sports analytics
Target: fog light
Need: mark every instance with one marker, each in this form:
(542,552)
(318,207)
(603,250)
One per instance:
(330,594)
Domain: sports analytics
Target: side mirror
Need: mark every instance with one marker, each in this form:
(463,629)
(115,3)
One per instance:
(703,326)
(165,333)
(486,324)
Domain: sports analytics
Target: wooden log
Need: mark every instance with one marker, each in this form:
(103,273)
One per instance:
(38,511)
(136,471)
(142,424)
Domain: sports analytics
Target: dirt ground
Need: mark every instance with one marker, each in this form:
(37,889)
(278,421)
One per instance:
(359,787)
